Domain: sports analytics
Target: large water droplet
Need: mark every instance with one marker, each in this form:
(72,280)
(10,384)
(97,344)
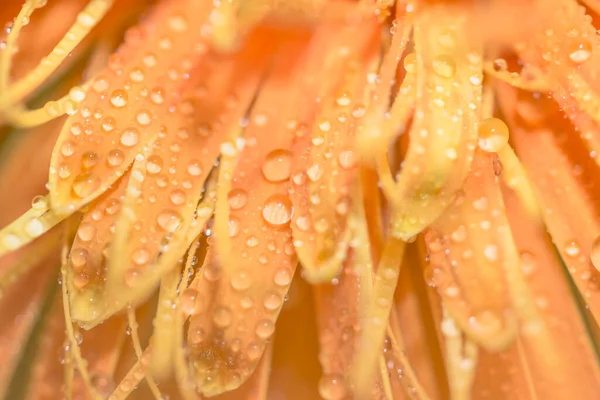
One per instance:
(277,166)
(493,135)
(85,184)
(119,98)
(130,137)
(169,220)
(278,210)
(237,198)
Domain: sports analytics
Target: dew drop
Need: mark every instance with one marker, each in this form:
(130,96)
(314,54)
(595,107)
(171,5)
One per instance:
(39,203)
(67,149)
(348,159)
(115,158)
(277,166)
(188,301)
(140,256)
(444,66)
(108,124)
(143,118)
(580,51)
(278,210)
(222,316)
(85,184)
(272,301)
(332,387)
(169,220)
(572,248)
(130,137)
(241,280)
(237,198)
(89,160)
(194,168)
(177,197)
(79,257)
(86,231)
(154,164)
(410,63)
(119,98)
(283,277)
(493,135)
(264,329)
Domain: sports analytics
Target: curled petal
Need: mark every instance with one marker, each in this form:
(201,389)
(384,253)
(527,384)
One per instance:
(120,114)
(448,91)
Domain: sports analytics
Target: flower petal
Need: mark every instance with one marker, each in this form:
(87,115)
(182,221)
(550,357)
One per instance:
(565,181)
(444,127)
(468,255)
(324,174)
(253,248)
(120,113)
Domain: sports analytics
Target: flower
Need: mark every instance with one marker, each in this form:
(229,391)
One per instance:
(433,173)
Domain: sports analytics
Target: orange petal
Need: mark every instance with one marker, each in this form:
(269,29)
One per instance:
(565,182)
(121,112)
(444,128)
(325,162)
(534,366)
(469,251)
(254,246)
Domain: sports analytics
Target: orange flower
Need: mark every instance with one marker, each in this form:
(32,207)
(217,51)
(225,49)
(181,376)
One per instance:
(370,142)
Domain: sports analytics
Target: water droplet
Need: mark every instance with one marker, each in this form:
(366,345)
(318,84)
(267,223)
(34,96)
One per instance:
(67,149)
(272,301)
(241,280)
(278,210)
(136,75)
(222,316)
(486,322)
(100,84)
(85,184)
(410,63)
(89,160)
(237,198)
(177,197)
(233,226)
(79,257)
(140,256)
(157,95)
(169,220)
(34,227)
(348,159)
(493,135)
(277,166)
(332,387)
(119,98)
(86,231)
(154,164)
(580,50)
(188,301)
(194,168)
(130,137)
(108,124)
(572,248)
(264,329)
(39,203)
(444,66)
(115,158)
(283,277)
(143,118)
